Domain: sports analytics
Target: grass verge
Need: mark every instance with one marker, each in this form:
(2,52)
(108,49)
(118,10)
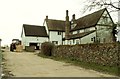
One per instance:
(93,66)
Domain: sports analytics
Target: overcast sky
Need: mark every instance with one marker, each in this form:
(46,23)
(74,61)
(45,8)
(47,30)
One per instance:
(15,13)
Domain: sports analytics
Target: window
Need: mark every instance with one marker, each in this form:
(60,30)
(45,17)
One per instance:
(55,42)
(70,42)
(81,31)
(77,41)
(59,33)
(80,41)
(73,25)
(71,32)
(98,40)
(93,39)
(78,31)
(74,32)
(105,19)
(73,41)
(87,29)
(104,40)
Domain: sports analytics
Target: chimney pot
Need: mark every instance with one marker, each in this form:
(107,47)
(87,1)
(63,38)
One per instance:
(73,16)
(46,17)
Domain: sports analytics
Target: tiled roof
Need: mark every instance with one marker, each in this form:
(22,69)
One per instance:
(56,25)
(80,35)
(89,20)
(34,30)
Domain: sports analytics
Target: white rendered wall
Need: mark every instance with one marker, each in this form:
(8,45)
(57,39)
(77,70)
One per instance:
(87,39)
(53,36)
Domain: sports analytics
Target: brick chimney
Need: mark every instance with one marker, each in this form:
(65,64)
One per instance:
(73,18)
(67,26)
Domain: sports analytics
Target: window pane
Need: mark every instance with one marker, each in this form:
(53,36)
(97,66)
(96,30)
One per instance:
(59,33)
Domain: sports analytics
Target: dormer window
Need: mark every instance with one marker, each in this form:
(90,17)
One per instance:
(105,18)
(73,25)
(86,30)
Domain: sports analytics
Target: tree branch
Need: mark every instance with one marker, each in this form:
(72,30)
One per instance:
(102,3)
(112,6)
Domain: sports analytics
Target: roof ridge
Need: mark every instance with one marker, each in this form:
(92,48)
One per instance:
(56,20)
(32,25)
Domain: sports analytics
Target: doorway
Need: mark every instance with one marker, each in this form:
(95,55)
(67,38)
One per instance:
(35,44)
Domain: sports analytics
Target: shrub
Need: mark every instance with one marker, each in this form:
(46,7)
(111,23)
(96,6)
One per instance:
(46,48)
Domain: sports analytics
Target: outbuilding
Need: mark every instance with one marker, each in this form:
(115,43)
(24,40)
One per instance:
(33,35)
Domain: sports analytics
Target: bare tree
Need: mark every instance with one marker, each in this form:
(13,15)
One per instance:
(112,5)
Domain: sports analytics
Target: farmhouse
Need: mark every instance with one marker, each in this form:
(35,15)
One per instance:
(96,27)
(33,35)
(55,30)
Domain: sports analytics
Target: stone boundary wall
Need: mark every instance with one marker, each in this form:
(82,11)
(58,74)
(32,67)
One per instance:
(105,54)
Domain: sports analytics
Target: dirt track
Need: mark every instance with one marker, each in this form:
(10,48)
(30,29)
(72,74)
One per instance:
(27,64)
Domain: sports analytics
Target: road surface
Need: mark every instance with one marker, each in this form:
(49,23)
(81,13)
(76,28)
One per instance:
(28,64)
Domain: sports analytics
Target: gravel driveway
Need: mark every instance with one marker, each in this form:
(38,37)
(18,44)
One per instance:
(28,64)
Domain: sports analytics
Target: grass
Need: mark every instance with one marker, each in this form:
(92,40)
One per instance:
(93,66)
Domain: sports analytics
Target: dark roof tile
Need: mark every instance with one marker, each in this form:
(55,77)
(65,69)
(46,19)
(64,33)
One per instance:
(34,30)
(56,25)
(88,20)
(80,35)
